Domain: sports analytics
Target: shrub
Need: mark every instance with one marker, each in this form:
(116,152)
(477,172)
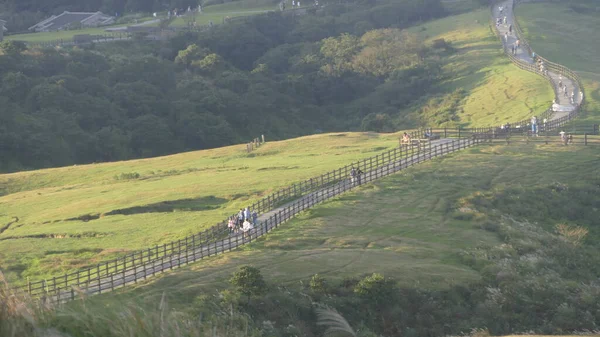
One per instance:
(127,176)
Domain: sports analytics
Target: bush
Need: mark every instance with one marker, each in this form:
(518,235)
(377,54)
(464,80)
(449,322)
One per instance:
(127,176)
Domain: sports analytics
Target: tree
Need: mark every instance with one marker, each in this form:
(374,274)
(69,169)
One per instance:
(338,53)
(248,281)
(376,290)
(190,54)
(12,47)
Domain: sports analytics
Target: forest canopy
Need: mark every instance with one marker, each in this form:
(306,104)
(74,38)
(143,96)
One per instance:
(347,67)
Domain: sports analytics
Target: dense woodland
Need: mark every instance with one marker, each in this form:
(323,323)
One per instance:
(347,67)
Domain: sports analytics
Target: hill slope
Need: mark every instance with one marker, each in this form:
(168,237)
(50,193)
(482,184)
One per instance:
(75,216)
(484,218)
(579,42)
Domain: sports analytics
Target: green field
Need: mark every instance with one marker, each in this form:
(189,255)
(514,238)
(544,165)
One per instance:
(54,36)
(202,188)
(573,41)
(497,91)
(426,218)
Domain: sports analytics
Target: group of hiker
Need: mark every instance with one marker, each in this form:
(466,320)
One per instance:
(243,221)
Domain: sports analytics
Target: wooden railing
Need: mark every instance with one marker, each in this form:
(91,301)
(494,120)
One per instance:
(134,260)
(116,276)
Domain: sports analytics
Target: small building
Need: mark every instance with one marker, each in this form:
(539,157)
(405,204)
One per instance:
(2,29)
(72,19)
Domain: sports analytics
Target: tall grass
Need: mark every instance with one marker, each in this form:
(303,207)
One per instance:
(21,316)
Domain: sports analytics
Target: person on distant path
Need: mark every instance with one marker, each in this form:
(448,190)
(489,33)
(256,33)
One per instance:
(534,129)
(358,176)
(560,84)
(405,138)
(512,48)
(563,137)
(352,175)
(506,37)
(293,3)
(566,95)
(231,225)
(510,28)
(247,227)
(254,217)
(247,215)
(504,20)
(501,9)
(573,97)
(240,217)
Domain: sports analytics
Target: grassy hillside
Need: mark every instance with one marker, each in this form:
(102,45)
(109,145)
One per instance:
(496,90)
(573,41)
(427,220)
(173,196)
(476,239)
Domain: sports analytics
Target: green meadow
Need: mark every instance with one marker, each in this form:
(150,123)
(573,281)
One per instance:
(141,203)
(416,226)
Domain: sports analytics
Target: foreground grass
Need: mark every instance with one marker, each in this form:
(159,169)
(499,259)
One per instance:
(550,25)
(174,196)
(496,91)
(409,226)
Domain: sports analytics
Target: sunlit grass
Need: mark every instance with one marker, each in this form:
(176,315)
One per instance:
(497,91)
(404,226)
(569,38)
(203,188)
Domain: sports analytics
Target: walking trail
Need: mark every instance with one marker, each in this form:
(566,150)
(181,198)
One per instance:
(562,108)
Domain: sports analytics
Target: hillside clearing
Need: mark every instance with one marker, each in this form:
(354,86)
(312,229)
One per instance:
(410,226)
(579,41)
(74,216)
(496,91)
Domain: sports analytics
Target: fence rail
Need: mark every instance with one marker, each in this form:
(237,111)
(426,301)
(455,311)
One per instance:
(374,168)
(132,261)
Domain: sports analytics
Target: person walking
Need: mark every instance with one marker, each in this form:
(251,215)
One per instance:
(254,217)
(573,97)
(506,37)
(247,214)
(358,176)
(231,225)
(353,175)
(534,129)
(510,28)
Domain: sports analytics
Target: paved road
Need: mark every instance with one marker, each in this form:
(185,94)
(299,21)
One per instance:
(563,105)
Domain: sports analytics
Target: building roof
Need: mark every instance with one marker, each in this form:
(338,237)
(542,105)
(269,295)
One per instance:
(56,22)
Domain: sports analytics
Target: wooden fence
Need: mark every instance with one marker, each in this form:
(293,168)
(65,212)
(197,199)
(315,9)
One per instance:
(131,261)
(60,290)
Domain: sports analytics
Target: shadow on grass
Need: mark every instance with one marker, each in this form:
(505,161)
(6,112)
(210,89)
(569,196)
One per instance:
(182,205)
